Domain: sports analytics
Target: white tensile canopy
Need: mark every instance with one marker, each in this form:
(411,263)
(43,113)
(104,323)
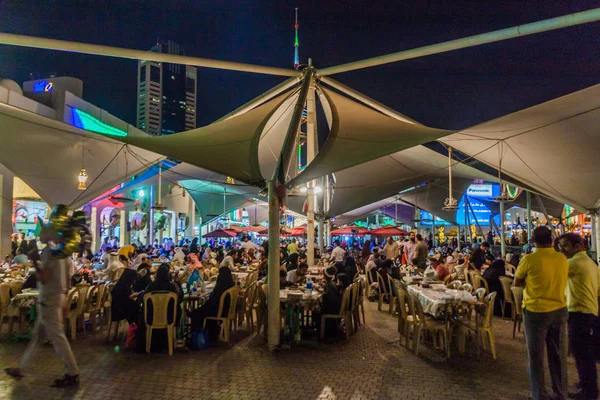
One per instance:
(359,134)
(48,155)
(552,147)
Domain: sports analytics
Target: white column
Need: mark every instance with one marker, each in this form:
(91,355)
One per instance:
(6,199)
(151,219)
(123,240)
(458,237)
(95,228)
(311,147)
(273,306)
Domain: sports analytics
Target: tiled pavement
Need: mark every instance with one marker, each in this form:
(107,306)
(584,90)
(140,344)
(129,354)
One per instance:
(367,367)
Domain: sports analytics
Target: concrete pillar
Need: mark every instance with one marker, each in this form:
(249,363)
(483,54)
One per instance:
(123,234)
(528,199)
(502,236)
(311,150)
(95,229)
(6,206)
(151,218)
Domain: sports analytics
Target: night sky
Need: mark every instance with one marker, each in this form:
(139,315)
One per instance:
(452,90)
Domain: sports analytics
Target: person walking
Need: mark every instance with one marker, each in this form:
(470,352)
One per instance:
(544,273)
(582,303)
(53,275)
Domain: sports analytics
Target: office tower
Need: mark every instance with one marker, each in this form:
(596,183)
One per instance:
(166,95)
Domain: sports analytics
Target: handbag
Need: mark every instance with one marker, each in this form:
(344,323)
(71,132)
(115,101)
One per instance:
(130,339)
(200,339)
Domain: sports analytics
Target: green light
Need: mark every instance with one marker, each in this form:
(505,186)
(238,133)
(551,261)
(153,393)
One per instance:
(83,120)
(299,157)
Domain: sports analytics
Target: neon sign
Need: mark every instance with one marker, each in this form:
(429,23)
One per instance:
(83,120)
(43,86)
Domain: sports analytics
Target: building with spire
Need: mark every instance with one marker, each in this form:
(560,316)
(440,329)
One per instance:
(296,44)
(166,95)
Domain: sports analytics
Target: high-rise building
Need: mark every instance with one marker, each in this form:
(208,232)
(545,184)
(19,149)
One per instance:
(166,95)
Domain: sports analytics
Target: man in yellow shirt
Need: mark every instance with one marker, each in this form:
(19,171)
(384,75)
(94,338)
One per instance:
(544,276)
(292,247)
(582,302)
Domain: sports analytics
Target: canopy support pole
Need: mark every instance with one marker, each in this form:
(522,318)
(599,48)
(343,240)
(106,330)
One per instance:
(458,238)
(262,98)
(502,243)
(311,147)
(273,305)
(133,54)
(595,239)
(528,200)
(476,40)
(543,207)
(151,221)
(433,229)
(367,100)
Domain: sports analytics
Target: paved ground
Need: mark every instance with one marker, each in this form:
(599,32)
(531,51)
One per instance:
(367,367)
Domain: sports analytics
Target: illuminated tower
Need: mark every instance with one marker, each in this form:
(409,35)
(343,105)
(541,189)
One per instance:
(296,44)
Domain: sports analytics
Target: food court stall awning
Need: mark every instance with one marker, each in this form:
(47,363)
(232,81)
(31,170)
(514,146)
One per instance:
(221,233)
(388,231)
(350,230)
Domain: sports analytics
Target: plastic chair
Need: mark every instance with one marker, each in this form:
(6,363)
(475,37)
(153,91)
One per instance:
(454,285)
(484,327)
(93,305)
(161,301)
(467,287)
(406,320)
(480,293)
(360,301)
(473,279)
(6,312)
(107,307)
(506,283)
(510,268)
(369,283)
(228,320)
(16,287)
(482,283)
(447,279)
(345,314)
(385,291)
(422,323)
(72,315)
(517,298)
(356,288)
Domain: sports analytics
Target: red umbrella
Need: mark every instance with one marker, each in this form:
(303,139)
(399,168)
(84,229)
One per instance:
(221,233)
(298,231)
(350,230)
(282,231)
(388,231)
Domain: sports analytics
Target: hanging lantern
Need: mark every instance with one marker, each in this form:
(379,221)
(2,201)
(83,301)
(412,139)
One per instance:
(82,179)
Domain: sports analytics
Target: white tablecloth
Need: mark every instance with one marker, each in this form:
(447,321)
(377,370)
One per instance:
(433,300)
(240,277)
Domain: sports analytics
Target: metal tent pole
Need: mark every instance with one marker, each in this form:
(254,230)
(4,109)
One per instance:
(476,40)
(502,243)
(596,236)
(273,271)
(382,108)
(132,54)
(528,200)
(311,129)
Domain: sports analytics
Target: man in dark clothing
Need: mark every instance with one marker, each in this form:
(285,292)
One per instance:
(478,256)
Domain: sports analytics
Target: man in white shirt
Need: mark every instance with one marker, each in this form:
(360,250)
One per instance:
(391,249)
(409,247)
(338,253)
(53,276)
(228,261)
(247,244)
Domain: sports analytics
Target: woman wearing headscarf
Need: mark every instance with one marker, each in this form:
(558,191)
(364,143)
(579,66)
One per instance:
(365,252)
(492,275)
(350,267)
(179,255)
(194,246)
(206,255)
(141,258)
(164,282)
(211,307)
(143,278)
(123,304)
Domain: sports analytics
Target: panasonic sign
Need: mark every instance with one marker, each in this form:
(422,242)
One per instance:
(478,190)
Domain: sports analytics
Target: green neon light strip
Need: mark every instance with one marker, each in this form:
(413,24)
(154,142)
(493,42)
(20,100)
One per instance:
(83,120)
(299,157)
(510,192)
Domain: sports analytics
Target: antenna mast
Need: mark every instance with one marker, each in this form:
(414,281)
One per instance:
(296,44)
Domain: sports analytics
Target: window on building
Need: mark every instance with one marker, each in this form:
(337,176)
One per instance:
(154,73)
(190,85)
(143,73)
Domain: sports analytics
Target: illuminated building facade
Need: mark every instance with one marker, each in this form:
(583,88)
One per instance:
(166,95)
